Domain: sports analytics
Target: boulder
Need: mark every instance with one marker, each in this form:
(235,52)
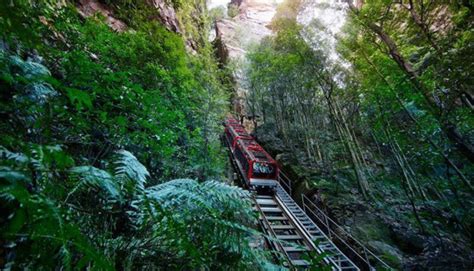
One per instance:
(392,255)
(440,253)
(28,69)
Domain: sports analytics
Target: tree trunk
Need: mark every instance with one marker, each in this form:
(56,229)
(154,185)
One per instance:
(465,147)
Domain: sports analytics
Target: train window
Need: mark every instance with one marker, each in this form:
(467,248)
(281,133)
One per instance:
(260,155)
(230,138)
(243,161)
(263,170)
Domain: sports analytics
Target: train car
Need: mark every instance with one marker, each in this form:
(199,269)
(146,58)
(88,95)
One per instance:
(234,132)
(259,170)
(231,120)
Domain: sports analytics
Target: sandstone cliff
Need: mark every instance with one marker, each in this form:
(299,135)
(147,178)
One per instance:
(236,35)
(165,13)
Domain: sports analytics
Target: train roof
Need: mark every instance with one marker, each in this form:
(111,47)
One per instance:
(231,120)
(238,130)
(255,151)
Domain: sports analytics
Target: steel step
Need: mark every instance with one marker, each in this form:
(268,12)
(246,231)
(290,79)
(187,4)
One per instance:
(267,202)
(282,227)
(299,263)
(296,215)
(295,249)
(289,237)
(271,210)
(276,218)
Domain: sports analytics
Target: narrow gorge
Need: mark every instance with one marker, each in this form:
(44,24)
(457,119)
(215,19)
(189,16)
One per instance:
(236,135)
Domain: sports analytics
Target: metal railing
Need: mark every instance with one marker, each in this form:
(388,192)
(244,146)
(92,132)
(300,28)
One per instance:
(286,183)
(341,237)
(336,233)
(328,259)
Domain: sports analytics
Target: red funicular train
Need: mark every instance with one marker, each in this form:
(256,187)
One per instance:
(258,169)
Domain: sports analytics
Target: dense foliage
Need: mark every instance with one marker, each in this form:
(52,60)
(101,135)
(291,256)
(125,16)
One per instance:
(396,125)
(77,99)
(421,69)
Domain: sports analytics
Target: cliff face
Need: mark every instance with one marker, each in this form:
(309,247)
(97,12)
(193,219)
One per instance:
(89,8)
(236,35)
(165,13)
(247,28)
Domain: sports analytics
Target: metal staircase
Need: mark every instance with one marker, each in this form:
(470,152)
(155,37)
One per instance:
(287,237)
(335,257)
(293,232)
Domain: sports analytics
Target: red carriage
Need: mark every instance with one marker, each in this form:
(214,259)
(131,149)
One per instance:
(258,169)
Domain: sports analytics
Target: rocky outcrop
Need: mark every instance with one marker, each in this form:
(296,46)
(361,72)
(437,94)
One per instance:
(166,15)
(234,36)
(89,8)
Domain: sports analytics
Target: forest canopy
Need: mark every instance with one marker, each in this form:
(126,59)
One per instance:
(94,126)
(392,118)
(110,150)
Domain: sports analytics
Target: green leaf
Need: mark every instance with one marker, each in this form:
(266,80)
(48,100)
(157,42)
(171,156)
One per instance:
(17,222)
(79,98)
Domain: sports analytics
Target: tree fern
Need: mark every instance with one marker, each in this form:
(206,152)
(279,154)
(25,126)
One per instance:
(129,169)
(38,221)
(180,220)
(203,218)
(91,177)
(17,158)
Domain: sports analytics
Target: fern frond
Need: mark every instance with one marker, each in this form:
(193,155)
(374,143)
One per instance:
(92,177)
(12,176)
(18,158)
(210,198)
(178,194)
(66,257)
(128,168)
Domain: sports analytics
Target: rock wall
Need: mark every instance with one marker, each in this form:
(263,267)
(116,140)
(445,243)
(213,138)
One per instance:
(165,13)
(89,8)
(234,36)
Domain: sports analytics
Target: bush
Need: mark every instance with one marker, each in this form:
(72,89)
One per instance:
(232,10)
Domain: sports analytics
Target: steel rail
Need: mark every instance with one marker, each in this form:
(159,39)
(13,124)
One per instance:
(327,222)
(300,218)
(267,227)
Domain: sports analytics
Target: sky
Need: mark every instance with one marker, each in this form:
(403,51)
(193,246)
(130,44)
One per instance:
(331,17)
(216,3)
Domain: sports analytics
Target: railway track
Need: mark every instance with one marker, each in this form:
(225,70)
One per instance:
(285,236)
(292,233)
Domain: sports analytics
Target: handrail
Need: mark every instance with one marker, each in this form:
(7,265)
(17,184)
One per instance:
(328,259)
(286,182)
(334,234)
